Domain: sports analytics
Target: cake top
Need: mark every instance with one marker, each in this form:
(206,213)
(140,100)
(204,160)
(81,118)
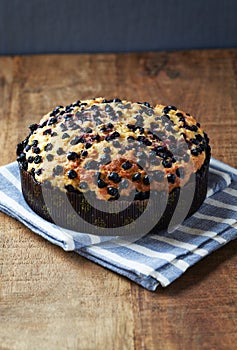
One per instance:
(113,148)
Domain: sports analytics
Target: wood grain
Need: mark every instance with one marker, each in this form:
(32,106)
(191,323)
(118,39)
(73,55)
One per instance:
(50,299)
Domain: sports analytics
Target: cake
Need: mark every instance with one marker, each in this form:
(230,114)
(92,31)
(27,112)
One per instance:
(115,152)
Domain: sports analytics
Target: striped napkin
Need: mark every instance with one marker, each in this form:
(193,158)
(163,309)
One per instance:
(155,259)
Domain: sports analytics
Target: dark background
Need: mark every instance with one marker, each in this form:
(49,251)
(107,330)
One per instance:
(56,26)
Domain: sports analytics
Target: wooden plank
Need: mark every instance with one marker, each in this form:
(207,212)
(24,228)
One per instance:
(50,299)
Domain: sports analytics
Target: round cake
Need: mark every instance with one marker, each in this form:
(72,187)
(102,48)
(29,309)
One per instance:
(112,151)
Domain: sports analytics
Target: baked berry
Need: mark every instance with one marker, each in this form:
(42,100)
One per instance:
(113,191)
(36,150)
(38,159)
(49,157)
(72,174)
(114,177)
(83,185)
(171,178)
(72,156)
(167,109)
(58,170)
(48,147)
(127,165)
(136,177)
(84,153)
(146,180)
(101,183)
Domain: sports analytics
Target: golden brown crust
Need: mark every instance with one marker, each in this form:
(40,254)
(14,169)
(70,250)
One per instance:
(114,147)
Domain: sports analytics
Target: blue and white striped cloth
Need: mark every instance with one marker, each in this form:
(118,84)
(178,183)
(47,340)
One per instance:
(156,259)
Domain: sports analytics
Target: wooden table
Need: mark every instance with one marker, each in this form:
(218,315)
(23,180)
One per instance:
(50,299)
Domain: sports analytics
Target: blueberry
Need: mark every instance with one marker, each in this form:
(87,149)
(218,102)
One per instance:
(38,159)
(47,132)
(101,183)
(141,138)
(194,141)
(92,164)
(146,104)
(199,137)
(113,191)
(35,143)
(84,153)
(72,156)
(96,138)
(27,148)
(56,109)
(38,172)
(131,127)
(48,147)
(166,163)
(72,174)
(136,177)
(65,136)
(49,157)
(88,145)
(52,120)
(115,134)
(60,151)
(33,127)
(58,170)
(179,114)
(30,159)
(116,144)
(195,152)
(146,180)
(149,111)
(21,157)
(88,130)
(77,103)
(77,140)
(127,165)
(171,178)
(116,100)
(105,159)
(36,150)
(114,177)
(107,150)
(169,108)
(124,184)
(83,185)
(108,108)
(130,138)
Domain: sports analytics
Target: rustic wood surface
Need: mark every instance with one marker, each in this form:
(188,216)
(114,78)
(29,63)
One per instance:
(50,299)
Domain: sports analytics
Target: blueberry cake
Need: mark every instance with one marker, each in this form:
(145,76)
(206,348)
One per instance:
(112,150)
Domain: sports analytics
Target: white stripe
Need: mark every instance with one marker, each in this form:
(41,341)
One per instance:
(220,204)
(214,218)
(225,176)
(231,191)
(183,245)
(130,264)
(218,164)
(8,175)
(199,232)
(210,192)
(55,233)
(171,258)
